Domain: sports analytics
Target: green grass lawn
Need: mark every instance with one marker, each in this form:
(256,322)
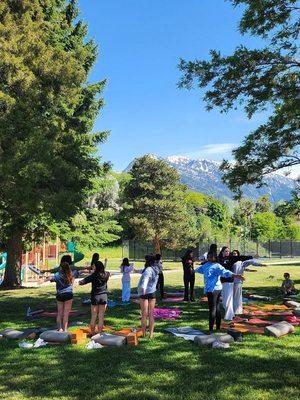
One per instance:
(167,368)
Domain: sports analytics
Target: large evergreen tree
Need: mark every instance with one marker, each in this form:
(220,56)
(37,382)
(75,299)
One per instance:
(47,110)
(266,78)
(156,209)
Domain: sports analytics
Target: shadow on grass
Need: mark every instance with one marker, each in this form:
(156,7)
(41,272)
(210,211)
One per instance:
(166,368)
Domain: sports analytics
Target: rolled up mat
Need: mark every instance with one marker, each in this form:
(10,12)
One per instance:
(55,336)
(292,304)
(279,329)
(223,337)
(296,312)
(204,340)
(16,334)
(107,339)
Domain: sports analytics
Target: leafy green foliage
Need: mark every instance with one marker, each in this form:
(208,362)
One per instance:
(47,109)
(266,78)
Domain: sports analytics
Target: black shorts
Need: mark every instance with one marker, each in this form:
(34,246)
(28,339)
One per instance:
(64,297)
(99,299)
(148,296)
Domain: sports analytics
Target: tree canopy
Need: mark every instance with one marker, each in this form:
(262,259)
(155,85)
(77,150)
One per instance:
(155,207)
(48,154)
(259,79)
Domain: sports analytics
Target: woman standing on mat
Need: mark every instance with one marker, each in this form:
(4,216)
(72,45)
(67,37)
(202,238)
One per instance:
(212,272)
(98,278)
(126,269)
(146,290)
(227,261)
(188,275)
(64,280)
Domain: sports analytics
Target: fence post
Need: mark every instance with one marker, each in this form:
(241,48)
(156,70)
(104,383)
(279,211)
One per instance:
(134,250)
(292,249)
(256,246)
(269,248)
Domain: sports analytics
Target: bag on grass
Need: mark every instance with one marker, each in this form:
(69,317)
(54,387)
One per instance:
(106,339)
(55,336)
(279,329)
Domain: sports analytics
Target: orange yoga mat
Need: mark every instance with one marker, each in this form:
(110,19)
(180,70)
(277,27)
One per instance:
(243,328)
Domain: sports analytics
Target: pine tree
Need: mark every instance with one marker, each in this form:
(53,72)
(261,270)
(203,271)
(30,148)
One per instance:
(47,109)
(156,208)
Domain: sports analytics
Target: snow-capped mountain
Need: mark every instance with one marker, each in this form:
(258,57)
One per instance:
(202,175)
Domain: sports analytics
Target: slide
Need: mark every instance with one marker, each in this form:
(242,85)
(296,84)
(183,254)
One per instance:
(3,257)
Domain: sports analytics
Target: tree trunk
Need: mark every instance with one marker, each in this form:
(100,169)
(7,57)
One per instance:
(12,276)
(156,245)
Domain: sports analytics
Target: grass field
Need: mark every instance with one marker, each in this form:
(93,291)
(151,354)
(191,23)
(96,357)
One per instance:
(167,368)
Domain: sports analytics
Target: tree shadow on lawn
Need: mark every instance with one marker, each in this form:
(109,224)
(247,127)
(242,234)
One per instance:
(166,368)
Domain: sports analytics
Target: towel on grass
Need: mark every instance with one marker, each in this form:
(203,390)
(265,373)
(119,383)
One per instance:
(185,332)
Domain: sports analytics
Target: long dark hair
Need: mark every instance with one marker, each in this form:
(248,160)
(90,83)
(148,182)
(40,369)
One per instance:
(187,255)
(213,248)
(95,258)
(158,257)
(235,251)
(100,271)
(66,259)
(149,260)
(125,263)
(220,256)
(66,273)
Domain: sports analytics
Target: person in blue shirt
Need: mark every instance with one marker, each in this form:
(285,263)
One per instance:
(212,272)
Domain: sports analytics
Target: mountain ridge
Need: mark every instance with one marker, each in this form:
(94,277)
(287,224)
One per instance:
(203,175)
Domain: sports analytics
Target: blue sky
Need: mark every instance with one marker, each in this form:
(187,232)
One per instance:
(140,43)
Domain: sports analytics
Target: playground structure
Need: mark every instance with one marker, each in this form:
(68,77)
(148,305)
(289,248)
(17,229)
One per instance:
(42,257)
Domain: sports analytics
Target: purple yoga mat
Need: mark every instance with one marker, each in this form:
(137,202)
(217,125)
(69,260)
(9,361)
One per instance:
(166,313)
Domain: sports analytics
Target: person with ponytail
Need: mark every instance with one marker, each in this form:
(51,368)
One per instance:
(64,280)
(98,278)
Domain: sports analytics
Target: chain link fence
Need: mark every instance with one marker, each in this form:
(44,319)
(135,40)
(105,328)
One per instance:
(136,250)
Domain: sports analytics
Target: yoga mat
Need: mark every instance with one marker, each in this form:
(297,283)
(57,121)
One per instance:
(174,294)
(258,321)
(173,300)
(243,328)
(184,332)
(166,313)
(49,314)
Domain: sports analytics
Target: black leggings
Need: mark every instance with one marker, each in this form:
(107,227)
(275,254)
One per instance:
(214,309)
(161,284)
(189,281)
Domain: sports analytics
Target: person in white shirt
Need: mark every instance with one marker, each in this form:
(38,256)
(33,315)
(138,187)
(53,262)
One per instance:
(126,269)
(238,268)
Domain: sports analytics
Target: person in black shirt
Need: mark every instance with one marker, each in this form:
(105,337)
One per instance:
(98,279)
(188,275)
